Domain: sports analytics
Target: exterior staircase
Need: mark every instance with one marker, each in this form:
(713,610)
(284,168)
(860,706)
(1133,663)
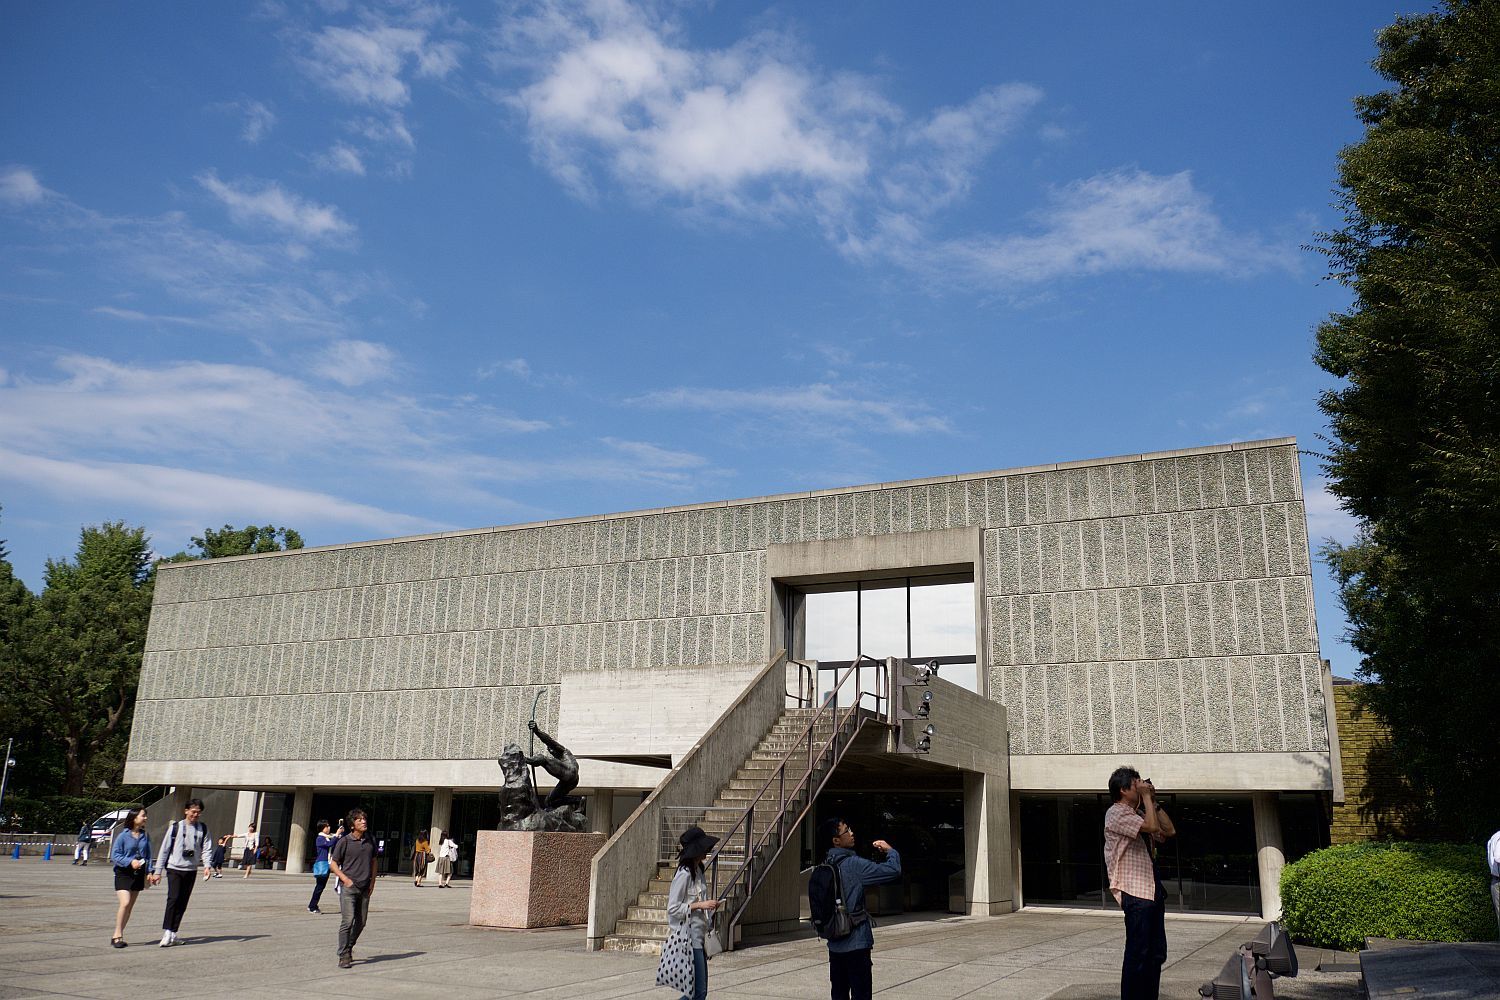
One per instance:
(753,815)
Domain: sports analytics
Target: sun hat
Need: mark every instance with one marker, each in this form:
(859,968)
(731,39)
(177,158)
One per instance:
(695,844)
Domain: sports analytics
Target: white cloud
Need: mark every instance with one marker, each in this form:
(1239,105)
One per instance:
(355,362)
(136,316)
(266,203)
(206,498)
(341,158)
(816,405)
(1126,220)
(609,91)
(707,125)
(368,63)
(514,366)
(19,186)
(259,120)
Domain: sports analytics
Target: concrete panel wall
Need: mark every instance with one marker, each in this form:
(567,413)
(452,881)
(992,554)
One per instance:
(1155,603)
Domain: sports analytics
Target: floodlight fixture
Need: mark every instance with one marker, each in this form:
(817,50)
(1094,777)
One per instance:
(927,671)
(1249,972)
(926,706)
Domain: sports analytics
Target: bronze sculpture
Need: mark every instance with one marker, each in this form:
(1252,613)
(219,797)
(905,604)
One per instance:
(520,808)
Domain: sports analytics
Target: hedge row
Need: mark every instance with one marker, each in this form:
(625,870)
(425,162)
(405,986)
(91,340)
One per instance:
(1337,897)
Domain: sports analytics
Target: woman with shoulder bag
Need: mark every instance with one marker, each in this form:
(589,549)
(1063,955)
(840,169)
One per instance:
(320,866)
(684,958)
(131,856)
(421,857)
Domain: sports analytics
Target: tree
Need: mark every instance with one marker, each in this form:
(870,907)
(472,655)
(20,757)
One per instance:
(15,607)
(231,541)
(77,654)
(1415,422)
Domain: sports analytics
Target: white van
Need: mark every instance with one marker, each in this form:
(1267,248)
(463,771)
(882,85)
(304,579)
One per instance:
(104,827)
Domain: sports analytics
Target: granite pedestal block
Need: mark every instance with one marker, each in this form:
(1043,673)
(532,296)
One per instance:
(532,879)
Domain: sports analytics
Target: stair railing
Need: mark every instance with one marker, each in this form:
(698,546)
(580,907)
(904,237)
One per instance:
(816,753)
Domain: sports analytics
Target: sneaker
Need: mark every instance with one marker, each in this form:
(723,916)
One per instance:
(166,940)
(346,960)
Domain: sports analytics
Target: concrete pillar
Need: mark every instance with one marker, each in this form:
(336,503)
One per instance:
(1018,887)
(442,816)
(296,844)
(1269,856)
(601,811)
(987,857)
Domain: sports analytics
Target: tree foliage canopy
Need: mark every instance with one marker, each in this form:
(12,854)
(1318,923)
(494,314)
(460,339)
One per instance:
(70,657)
(232,541)
(1415,423)
(76,654)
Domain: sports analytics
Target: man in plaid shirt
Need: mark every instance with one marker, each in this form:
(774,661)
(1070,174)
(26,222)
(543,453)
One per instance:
(1133,827)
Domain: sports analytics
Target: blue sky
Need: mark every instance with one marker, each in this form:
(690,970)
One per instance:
(384,269)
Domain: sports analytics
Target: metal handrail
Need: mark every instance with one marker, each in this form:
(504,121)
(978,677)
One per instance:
(805,669)
(753,846)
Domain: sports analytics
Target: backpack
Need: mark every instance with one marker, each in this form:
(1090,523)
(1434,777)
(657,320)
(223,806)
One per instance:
(831,918)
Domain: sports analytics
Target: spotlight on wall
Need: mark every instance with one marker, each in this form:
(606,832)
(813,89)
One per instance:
(924,745)
(927,671)
(926,707)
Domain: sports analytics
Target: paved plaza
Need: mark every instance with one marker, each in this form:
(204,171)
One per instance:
(255,939)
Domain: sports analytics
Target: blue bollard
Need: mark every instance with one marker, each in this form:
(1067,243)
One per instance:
(47,854)
(15,852)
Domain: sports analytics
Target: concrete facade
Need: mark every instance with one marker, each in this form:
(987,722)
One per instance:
(1154,609)
(1147,604)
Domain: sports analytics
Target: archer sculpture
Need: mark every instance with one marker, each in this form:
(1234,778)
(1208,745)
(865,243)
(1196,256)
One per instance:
(520,808)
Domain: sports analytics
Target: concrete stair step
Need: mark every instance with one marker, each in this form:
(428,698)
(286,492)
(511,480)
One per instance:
(632,945)
(647,914)
(652,900)
(645,929)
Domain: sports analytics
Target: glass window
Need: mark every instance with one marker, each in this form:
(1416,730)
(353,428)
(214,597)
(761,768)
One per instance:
(913,618)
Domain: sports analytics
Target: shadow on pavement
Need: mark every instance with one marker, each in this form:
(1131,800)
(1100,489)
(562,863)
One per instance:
(389,958)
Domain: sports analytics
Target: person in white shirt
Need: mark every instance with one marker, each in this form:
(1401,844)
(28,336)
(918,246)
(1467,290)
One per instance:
(447,857)
(1492,855)
(252,850)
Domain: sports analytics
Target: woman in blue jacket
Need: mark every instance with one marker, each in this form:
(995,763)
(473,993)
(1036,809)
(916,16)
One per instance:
(131,855)
(320,865)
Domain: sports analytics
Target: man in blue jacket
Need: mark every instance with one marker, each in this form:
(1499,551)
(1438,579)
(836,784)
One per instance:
(849,958)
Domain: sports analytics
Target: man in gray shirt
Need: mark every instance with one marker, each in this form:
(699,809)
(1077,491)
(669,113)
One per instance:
(352,861)
(184,849)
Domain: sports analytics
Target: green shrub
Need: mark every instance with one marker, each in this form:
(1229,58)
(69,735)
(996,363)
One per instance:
(1336,897)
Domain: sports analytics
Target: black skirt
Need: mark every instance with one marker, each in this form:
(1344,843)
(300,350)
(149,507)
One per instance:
(130,879)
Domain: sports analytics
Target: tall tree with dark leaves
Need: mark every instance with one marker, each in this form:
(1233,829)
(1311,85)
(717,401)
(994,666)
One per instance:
(232,541)
(78,651)
(1415,420)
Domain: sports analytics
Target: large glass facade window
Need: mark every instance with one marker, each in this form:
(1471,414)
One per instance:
(1209,867)
(915,618)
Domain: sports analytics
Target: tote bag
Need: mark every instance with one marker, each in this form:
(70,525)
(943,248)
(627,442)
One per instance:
(676,967)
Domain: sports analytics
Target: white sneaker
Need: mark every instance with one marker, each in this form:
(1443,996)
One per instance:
(166,940)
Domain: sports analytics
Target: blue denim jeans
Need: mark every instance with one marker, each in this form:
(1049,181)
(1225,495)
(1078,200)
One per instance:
(700,975)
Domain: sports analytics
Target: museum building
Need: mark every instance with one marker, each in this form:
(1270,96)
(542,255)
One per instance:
(1153,610)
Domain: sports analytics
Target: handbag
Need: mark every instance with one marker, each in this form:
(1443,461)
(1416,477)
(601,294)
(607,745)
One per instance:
(713,945)
(430,858)
(320,868)
(675,970)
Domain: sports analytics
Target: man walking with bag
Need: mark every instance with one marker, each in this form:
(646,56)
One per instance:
(186,846)
(353,863)
(850,971)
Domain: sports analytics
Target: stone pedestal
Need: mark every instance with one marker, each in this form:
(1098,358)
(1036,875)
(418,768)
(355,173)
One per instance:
(532,879)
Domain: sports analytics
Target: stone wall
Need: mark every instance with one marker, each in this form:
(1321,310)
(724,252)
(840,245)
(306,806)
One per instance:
(1374,795)
(1133,604)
